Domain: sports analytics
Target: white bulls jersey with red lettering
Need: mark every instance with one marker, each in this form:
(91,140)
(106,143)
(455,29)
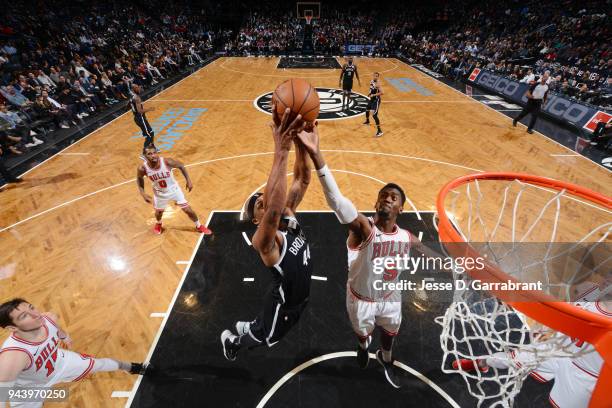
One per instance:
(362,276)
(46,358)
(589,362)
(161,177)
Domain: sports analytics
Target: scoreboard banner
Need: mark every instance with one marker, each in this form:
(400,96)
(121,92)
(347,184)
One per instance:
(564,109)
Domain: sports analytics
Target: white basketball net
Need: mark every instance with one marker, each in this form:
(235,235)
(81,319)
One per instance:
(477,325)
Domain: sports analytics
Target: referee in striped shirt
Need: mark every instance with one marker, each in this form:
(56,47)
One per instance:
(536,97)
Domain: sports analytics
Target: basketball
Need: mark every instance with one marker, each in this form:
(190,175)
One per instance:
(299,96)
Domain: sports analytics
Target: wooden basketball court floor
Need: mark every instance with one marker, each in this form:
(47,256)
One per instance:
(76,239)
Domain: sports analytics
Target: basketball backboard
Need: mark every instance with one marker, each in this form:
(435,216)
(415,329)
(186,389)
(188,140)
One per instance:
(310,9)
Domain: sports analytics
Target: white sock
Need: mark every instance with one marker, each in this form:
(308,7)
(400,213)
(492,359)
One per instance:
(364,344)
(197,223)
(108,364)
(386,354)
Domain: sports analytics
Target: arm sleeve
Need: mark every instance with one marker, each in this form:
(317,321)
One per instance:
(7,384)
(343,207)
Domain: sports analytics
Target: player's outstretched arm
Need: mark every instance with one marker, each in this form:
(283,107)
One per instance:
(357,76)
(264,240)
(12,362)
(175,164)
(419,247)
(341,75)
(301,177)
(140,174)
(343,207)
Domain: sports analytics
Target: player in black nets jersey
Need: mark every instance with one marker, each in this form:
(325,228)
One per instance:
(281,244)
(374,104)
(349,70)
(140,116)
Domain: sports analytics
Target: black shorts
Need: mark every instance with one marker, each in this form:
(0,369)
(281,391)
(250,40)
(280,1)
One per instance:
(374,105)
(347,86)
(145,127)
(276,318)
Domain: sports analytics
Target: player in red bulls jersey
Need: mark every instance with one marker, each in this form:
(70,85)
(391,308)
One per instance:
(33,356)
(574,377)
(370,241)
(165,188)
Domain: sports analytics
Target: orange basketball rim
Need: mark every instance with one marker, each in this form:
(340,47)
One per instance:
(561,316)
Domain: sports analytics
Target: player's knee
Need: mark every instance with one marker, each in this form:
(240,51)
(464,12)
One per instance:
(256,333)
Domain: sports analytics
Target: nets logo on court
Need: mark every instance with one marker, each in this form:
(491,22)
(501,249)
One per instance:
(331,104)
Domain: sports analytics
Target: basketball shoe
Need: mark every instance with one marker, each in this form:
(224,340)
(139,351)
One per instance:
(141,368)
(230,345)
(389,369)
(203,230)
(243,328)
(470,365)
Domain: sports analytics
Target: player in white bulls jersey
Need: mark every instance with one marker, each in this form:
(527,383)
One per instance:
(33,357)
(574,378)
(165,188)
(370,241)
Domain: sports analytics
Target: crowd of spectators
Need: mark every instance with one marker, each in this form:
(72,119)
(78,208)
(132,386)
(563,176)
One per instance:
(265,33)
(61,65)
(570,40)
(331,34)
(271,29)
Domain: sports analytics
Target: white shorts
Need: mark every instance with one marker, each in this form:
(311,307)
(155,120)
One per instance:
(161,201)
(572,386)
(365,315)
(76,367)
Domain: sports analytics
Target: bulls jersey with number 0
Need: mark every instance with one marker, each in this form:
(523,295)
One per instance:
(363,279)
(161,177)
(46,357)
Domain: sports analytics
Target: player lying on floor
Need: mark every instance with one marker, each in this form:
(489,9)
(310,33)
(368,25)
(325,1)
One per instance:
(574,378)
(32,356)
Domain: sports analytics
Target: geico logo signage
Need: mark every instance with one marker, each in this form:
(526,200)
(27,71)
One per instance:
(498,83)
(359,47)
(561,107)
(556,105)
